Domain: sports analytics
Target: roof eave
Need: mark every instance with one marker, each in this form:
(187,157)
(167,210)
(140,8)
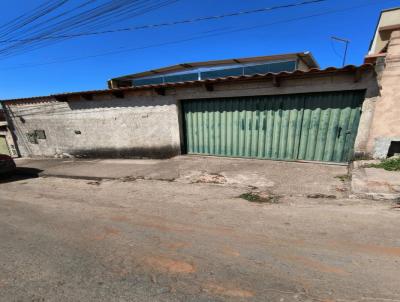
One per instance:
(297,73)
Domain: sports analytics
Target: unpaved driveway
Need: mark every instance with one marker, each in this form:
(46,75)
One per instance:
(161,240)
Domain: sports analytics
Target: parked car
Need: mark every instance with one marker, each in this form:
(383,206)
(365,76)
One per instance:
(7,164)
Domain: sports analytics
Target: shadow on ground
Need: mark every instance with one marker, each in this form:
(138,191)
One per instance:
(21,173)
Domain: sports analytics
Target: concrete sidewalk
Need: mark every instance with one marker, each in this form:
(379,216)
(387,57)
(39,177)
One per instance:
(373,183)
(102,169)
(288,178)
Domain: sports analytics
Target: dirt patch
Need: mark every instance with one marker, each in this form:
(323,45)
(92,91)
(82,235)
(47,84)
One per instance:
(175,245)
(344,177)
(119,218)
(170,265)
(3,283)
(107,231)
(230,252)
(318,266)
(369,248)
(227,291)
(111,231)
(212,178)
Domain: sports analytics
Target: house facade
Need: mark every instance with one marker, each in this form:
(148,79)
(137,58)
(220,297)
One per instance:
(275,107)
(299,115)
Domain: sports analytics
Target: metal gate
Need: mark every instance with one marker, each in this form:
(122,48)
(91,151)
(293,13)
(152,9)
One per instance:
(314,126)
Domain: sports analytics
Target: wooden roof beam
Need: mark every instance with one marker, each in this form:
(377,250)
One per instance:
(118,94)
(87,96)
(186,65)
(61,98)
(160,91)
(276,81)
(357,75)
(209,86)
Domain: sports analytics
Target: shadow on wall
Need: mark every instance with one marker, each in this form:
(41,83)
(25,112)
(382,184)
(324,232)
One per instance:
(143,152)
(306,101)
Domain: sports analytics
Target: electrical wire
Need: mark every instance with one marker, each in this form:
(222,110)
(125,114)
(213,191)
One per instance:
(121,8)
(187,21)
(198,37)
(42,11)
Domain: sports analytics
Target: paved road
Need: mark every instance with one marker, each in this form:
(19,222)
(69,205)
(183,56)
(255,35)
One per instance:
(151,240)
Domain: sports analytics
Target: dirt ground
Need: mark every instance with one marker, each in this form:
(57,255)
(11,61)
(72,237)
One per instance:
(192,238)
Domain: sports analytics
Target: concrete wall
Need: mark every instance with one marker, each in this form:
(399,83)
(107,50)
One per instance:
(386,119)
(136,126)
(145,124)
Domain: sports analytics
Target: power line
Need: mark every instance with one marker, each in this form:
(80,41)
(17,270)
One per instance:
(62,14)
(202,35)
(187,21)
(100,13)
(41,11)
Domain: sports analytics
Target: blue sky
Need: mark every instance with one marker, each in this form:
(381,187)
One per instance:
(279,31)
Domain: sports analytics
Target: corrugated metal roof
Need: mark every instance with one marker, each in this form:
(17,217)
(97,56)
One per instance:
(283,74)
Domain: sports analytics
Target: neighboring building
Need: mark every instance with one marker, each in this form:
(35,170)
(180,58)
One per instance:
(389,21)
(7,145)
(216,69)
(384,52)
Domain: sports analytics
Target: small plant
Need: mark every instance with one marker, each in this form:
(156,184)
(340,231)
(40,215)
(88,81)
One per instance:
(260,198)
(250,196)
(391,164)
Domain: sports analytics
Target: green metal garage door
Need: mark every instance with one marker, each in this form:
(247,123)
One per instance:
(315,126)
(3,146)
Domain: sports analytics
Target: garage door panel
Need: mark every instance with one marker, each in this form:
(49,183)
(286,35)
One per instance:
(318,126)
(276,130)
(349,134)
(283,137)
(322,134)
(331,136)
(342,126)
(299,122)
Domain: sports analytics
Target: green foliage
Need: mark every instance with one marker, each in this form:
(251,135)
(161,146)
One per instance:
(250,196)
(391,164)
(255,197)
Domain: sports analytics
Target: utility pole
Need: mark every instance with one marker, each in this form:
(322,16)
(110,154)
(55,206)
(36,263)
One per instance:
(346,47)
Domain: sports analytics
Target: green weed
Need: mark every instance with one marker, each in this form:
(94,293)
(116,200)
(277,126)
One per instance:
(255,197)
(390,164)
